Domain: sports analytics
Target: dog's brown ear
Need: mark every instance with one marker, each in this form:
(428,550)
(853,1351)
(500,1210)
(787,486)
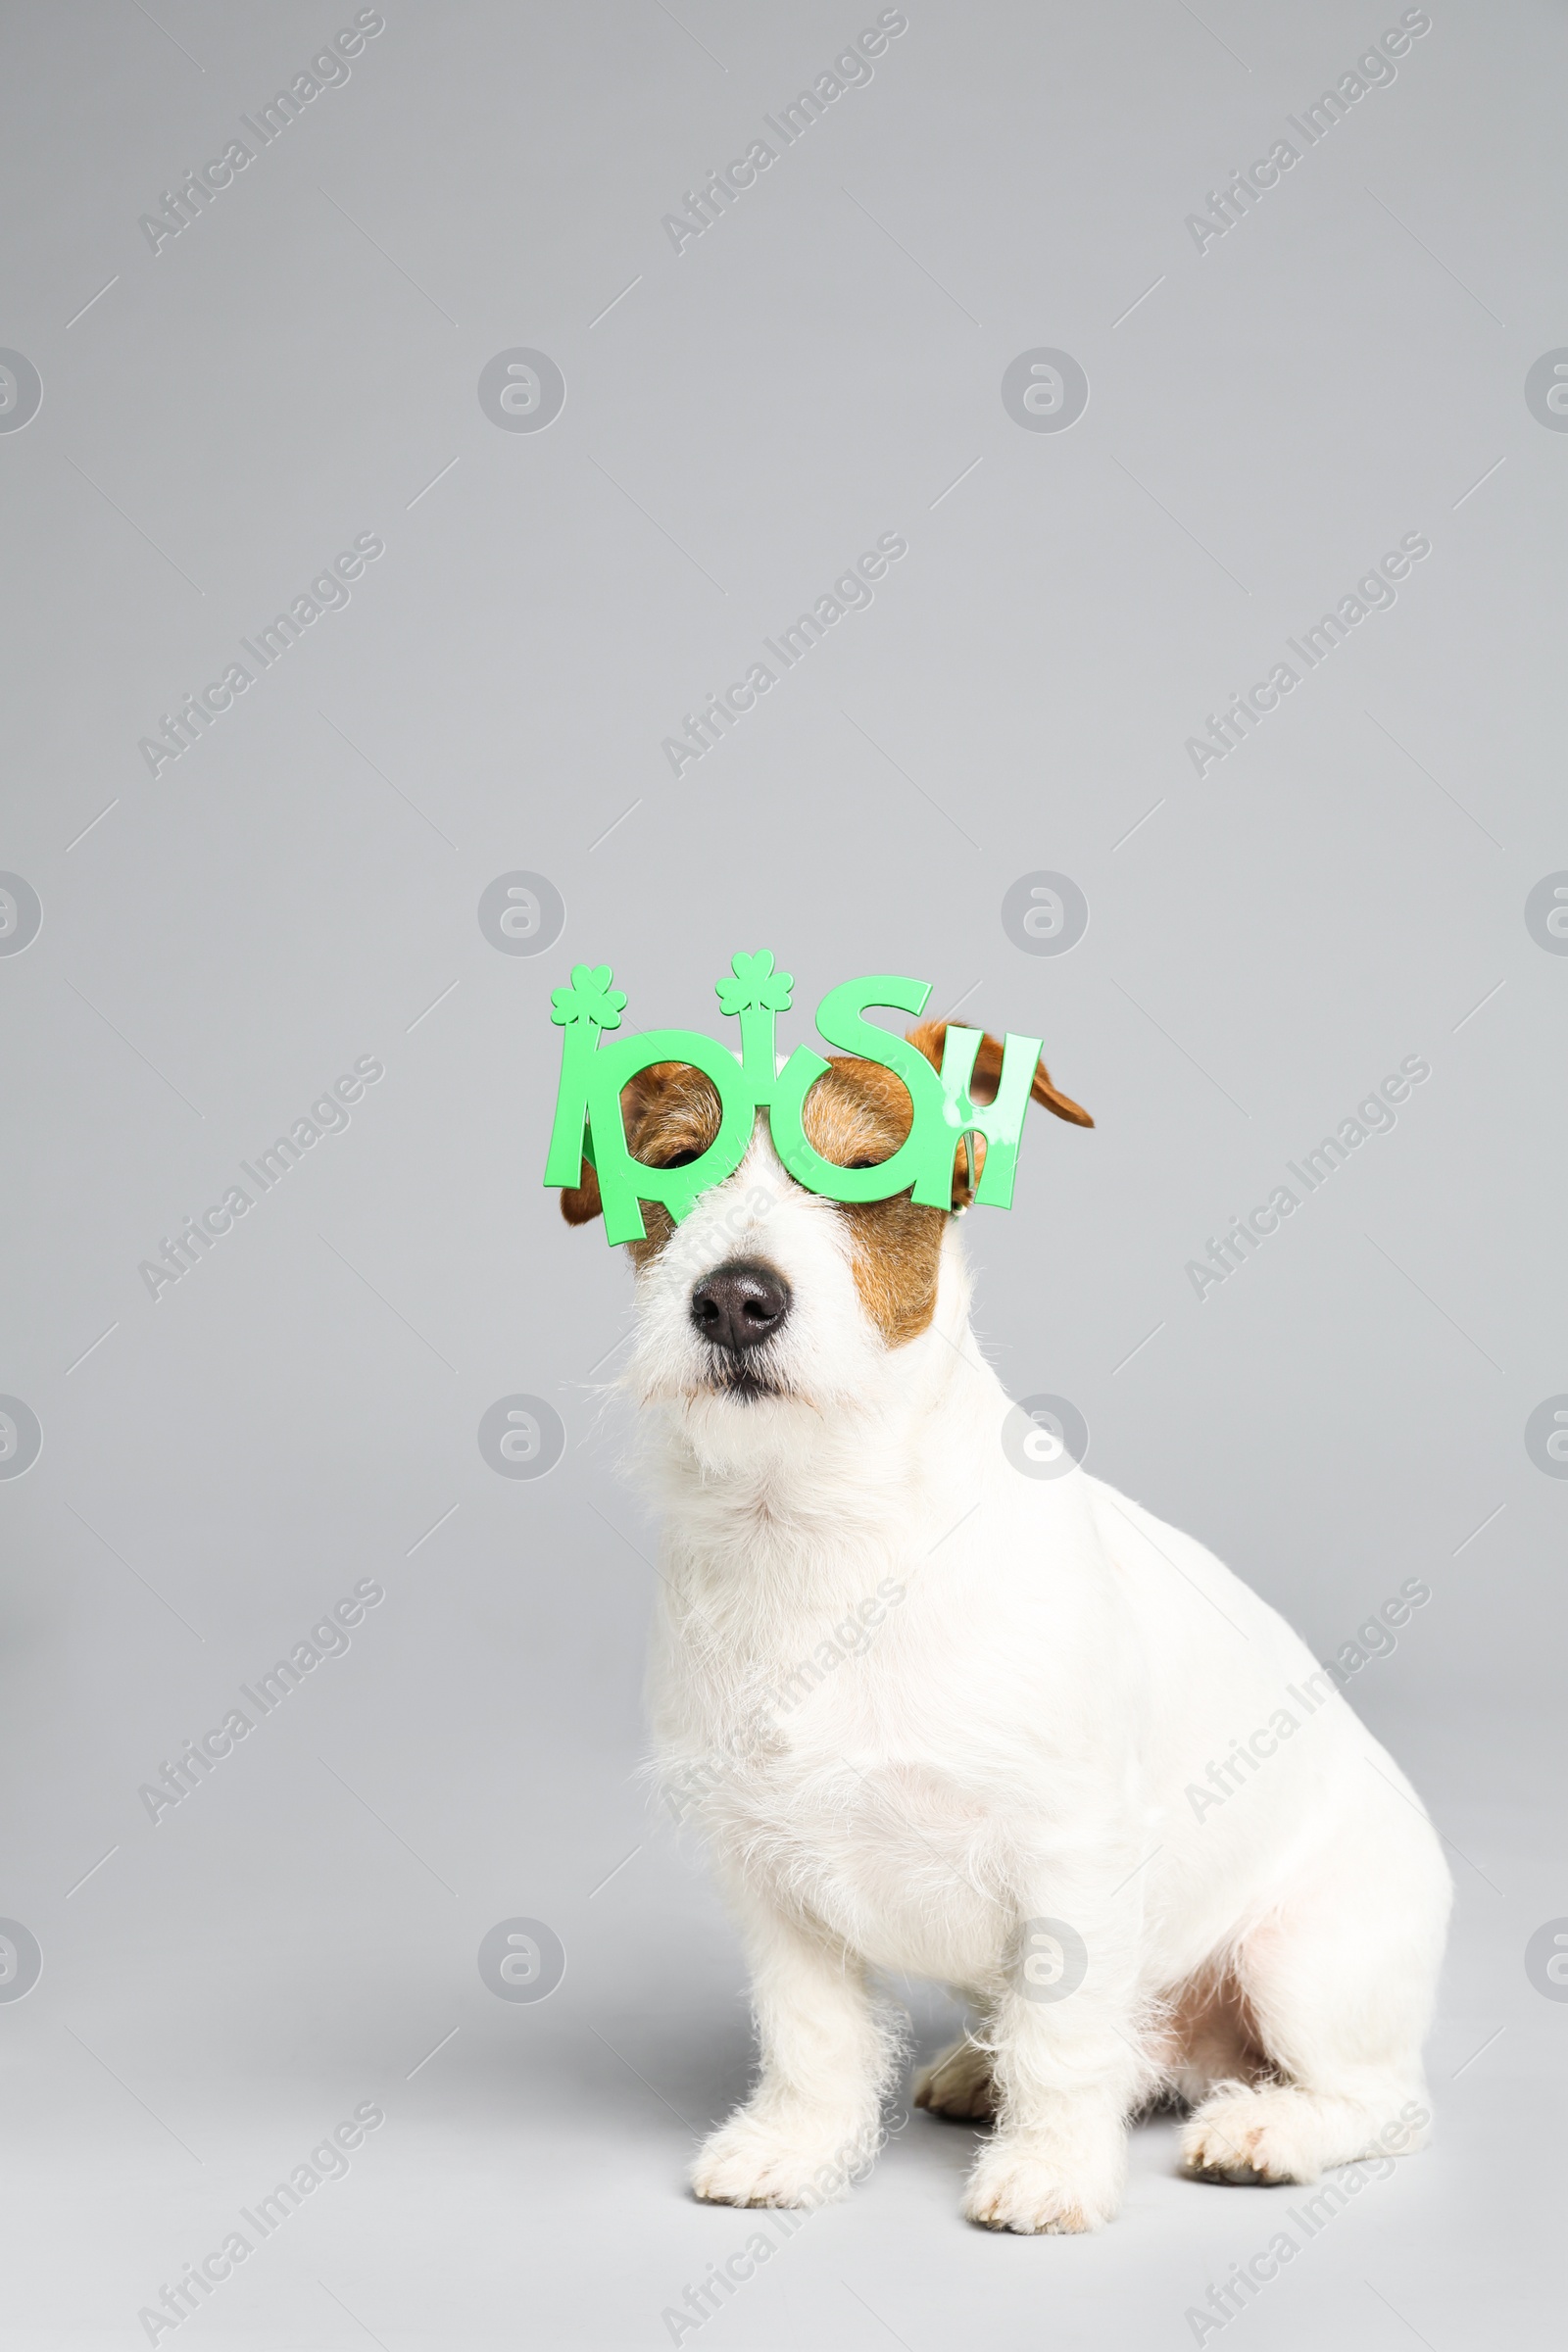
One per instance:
(930,1038)
(581,1201)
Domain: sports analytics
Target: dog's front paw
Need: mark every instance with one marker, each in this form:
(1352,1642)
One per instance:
(1032,2187)
(1250,2135)
(756,2161)
(1275,2132)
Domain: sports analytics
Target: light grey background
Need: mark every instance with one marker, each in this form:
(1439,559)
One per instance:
(218,1467)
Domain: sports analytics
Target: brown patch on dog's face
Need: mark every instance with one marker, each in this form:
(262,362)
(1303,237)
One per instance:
(671,1114)
(856,1116)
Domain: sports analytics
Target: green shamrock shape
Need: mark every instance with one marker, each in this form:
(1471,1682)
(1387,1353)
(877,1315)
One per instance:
(590,1003)
(755,987)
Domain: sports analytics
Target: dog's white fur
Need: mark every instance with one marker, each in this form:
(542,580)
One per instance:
(1016,1743)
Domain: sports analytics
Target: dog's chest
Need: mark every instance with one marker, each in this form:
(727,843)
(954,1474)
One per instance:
(843,1726)
(860,1818)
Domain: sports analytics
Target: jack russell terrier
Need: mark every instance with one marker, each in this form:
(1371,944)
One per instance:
(1002,1774)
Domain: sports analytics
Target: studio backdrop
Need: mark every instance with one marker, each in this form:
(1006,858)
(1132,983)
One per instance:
(1066,504)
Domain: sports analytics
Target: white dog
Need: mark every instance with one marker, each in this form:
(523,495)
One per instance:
(941,1715)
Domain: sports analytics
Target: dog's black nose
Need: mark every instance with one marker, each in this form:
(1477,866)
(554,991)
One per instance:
(740,1303)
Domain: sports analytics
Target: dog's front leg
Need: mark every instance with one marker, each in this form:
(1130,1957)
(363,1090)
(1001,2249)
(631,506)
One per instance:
(1066,2072)
(828,2057)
